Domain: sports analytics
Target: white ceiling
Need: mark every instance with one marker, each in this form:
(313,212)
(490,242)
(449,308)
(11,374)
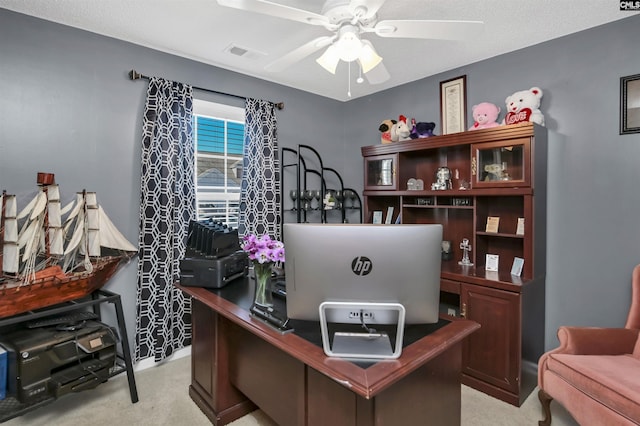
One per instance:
(202,30)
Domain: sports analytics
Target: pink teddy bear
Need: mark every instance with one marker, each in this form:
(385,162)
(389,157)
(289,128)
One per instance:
(485,116)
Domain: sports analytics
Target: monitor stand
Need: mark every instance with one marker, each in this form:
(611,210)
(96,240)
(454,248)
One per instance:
(364,345)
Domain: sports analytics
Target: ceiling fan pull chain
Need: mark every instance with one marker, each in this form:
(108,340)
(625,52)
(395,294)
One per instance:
(349,80)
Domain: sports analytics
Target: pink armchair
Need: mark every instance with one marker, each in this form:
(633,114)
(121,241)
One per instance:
(595,373)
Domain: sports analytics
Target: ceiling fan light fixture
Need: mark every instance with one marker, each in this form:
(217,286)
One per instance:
(349,46)
(329,59)
(368,58)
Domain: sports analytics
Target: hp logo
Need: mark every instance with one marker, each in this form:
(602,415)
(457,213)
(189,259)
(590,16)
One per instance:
(361,265)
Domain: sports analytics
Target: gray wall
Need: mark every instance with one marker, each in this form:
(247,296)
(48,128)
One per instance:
(68,107)
(593,239)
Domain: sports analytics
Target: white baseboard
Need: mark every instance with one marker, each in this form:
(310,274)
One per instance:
(150,362)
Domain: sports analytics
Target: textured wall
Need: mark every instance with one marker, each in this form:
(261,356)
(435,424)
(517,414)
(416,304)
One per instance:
(593,237)
(68,107)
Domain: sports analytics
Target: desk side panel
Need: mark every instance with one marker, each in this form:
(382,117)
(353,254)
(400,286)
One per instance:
(210,387)
(272,379)
(430,395)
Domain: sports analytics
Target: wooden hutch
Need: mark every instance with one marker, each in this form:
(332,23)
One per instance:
(494,173)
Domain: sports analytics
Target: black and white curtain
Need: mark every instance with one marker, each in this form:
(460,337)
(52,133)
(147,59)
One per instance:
(260,191)
(167,204)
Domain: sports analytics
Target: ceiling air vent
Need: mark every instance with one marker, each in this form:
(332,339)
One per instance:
(243,52)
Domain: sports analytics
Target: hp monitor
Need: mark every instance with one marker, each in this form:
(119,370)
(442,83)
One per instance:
(363,263)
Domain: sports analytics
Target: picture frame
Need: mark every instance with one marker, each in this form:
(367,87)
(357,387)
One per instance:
(377,217)
(516,268)
(491,262)
(630,104)
(453,105)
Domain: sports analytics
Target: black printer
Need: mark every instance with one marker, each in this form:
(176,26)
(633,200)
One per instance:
(49,362)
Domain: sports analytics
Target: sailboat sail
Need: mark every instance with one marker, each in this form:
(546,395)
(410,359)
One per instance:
(93,224)
(56,235)
(11,252)
(26,211)
(110,236)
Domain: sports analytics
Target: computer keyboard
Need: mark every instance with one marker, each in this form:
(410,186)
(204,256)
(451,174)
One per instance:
(66,318)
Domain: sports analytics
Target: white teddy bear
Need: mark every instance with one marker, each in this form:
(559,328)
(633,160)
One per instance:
(524,106)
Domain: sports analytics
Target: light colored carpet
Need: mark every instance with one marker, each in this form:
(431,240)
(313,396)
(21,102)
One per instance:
(164,400)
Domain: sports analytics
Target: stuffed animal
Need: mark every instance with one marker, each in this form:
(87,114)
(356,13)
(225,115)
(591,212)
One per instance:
(385,129)
(494,172)
(524,106)
(485,115)
(421,129)
(400,131)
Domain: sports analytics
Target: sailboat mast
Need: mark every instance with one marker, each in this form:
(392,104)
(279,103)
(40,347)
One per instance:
(85,212)
(44,180)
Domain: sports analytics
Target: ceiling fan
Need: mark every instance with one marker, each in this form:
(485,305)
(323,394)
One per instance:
(348,20)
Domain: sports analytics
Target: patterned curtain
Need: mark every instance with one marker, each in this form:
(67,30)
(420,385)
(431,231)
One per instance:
(260,191)
(167,204)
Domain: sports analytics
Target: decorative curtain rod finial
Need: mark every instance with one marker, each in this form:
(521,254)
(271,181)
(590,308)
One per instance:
(134,75)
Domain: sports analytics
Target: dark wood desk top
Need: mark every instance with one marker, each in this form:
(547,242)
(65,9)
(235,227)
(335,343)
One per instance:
(366,382)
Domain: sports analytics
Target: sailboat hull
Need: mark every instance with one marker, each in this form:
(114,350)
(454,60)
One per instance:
(52,286)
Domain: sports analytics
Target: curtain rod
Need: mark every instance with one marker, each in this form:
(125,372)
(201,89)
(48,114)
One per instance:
(135,75)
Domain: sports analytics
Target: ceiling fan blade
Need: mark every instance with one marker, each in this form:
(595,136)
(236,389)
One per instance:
(299,53)
(439,30)
(368,8)
(378,75)
(278,10)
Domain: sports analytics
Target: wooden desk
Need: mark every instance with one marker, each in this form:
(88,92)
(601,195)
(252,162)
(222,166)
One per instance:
(239,362)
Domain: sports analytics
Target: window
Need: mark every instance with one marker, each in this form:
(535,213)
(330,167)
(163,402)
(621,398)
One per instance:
(219,137)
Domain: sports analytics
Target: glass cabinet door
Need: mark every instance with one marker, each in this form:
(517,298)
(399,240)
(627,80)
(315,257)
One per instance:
(499,164)
(380,172)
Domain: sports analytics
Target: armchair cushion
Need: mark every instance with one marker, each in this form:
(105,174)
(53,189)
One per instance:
(636,350)
(612,379)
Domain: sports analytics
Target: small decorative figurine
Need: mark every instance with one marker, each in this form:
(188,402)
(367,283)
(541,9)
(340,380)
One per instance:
(466,248)
(329,200)
(446,250)
(443,179)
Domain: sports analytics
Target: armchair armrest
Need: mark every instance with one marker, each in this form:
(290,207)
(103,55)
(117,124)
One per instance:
(596,340)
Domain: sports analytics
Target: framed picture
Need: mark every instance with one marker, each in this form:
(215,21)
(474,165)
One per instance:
(453,105)
(377,217)
(630,104)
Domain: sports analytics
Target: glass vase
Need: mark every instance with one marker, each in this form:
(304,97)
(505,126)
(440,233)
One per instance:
(263,296)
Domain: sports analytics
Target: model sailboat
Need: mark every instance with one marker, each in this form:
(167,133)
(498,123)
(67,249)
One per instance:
(52,254)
